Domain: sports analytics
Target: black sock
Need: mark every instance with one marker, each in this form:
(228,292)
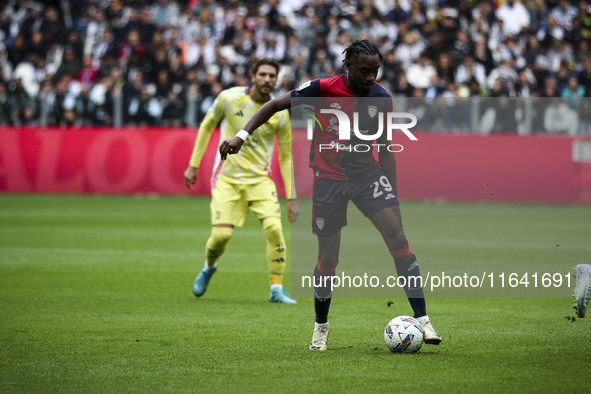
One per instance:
(408,268)
(321,308)
(322,295)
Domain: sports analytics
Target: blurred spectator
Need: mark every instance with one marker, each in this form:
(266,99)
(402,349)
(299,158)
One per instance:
(526,85)
(390,69)
(37,46)
(410,49)
(505,116)
(173,110)
(560,119)
(88,72)
(141,22)
(573,93)
(514,15)
(420,73)
(585,20)
(101,102)
(202,52)
(549,33)
(538,15)
(445,69)
(73,41)
(132,46)
(165,12)
(397,14)
(321,66)
(135,99)
(52,27)
(105,46)
(483,55)
(17,52)
(505,73)
(563,14)
(403,88)
(585,74)
(156,64)
(462,47)
(469,70)
(550,88)
(71,65)
(4,106)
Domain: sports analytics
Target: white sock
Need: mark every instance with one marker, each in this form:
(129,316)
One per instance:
(423,318)
(320,324)
(207,266)
(280,287)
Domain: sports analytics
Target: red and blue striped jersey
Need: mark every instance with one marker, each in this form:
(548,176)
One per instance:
(330,156)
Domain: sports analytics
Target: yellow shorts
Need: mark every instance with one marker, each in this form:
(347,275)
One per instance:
(230,203)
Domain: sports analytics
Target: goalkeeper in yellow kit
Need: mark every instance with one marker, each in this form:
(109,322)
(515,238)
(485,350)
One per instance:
(243,182)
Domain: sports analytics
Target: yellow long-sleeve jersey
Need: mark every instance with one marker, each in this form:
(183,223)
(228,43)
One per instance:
(234,107)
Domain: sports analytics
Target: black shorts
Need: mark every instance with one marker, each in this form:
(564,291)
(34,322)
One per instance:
(331,197)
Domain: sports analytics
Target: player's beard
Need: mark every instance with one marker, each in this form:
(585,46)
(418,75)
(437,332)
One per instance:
(265,90)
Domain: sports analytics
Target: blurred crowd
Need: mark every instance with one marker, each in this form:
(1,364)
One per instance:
(141,63)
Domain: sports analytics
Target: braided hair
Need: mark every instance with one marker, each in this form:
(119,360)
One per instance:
(361,47)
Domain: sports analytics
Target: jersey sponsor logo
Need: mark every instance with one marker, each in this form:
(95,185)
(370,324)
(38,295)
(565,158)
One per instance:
(303,86)
(338,106)
(239,113)
(320,223)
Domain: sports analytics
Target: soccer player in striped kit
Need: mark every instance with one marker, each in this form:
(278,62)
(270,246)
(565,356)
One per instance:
(340,176)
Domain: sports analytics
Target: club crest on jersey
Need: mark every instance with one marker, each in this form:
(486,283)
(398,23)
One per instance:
(372,110)
(320,223)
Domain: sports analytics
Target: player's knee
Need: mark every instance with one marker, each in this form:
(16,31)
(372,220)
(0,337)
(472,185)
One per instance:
(274,231)
(328,256)
(396,240)
(221,235)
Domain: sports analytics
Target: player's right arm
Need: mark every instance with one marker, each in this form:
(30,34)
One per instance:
(233,145)
(210,121)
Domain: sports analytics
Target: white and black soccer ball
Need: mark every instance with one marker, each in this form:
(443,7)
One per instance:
(403,334)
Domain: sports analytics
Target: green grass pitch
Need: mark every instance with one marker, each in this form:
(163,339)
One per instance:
(95,296)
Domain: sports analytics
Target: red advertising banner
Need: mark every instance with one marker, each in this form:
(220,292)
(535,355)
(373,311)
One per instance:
(495,168)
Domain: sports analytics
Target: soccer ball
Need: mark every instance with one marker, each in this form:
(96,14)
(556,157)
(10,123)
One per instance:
(403,334)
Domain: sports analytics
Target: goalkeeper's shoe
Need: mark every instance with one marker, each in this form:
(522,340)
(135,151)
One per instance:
(281,296)
(582,289)
(202,280)
(320,337)
(429,335)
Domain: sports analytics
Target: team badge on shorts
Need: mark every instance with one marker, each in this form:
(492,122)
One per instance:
(320,223)
(372,110)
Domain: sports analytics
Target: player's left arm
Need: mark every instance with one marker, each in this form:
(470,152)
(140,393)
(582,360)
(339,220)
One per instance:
(285,165)
(387,162)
